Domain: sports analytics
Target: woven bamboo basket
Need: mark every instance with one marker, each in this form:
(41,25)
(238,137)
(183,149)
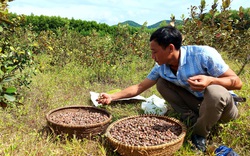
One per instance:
(165,149)
(80,131)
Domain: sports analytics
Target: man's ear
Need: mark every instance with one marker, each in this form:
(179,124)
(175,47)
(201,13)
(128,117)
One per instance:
(171,47)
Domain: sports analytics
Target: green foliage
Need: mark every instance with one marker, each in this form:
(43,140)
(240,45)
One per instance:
(226,30)
(15,55)
(104,54)
(41,23)
(53,23)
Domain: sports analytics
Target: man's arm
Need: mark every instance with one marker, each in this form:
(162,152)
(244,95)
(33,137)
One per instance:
(229,80)
(127,92)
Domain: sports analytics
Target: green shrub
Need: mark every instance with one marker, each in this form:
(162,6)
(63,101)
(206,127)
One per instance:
(224,29)
(16,45)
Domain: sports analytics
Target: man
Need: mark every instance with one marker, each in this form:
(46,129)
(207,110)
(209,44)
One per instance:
(194,80)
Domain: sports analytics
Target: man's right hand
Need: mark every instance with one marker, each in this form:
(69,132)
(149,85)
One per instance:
(104,99)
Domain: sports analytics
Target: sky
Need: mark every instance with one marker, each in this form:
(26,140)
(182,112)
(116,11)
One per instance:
(113,12)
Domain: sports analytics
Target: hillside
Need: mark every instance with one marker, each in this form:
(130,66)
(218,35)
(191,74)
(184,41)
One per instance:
(156,25)
(131,23)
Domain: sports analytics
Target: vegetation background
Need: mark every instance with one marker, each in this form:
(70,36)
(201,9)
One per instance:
(51,62)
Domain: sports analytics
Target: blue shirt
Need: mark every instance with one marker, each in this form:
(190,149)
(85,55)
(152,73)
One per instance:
(194,60)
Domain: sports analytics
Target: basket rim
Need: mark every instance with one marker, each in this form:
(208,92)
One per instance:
(79,126)
(169,143)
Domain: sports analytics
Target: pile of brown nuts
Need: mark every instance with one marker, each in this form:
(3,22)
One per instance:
(145,131)
(78,117)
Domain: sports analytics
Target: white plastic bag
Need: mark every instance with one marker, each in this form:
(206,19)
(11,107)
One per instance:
(154,105)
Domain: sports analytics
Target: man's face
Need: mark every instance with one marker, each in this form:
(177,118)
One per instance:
(159,54)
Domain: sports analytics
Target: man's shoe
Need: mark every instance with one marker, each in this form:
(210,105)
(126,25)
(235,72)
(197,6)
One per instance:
(199,142)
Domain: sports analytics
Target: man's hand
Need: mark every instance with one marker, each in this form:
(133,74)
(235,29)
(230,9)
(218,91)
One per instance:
(104,99)
(199,82)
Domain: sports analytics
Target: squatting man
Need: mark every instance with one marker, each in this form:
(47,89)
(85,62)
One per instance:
(193,79)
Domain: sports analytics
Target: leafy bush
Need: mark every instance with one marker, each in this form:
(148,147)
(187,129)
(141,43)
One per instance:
(226,30)
(16,46)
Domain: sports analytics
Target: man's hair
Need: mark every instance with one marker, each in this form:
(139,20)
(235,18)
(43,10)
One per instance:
(167,35)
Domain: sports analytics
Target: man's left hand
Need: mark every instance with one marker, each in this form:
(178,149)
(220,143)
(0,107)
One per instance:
(199,82)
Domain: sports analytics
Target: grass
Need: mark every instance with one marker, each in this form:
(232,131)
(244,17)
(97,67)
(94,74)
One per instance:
(23,129)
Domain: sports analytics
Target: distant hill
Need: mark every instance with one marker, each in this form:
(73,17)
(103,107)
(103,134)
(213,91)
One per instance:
(156,25)
(131,23)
